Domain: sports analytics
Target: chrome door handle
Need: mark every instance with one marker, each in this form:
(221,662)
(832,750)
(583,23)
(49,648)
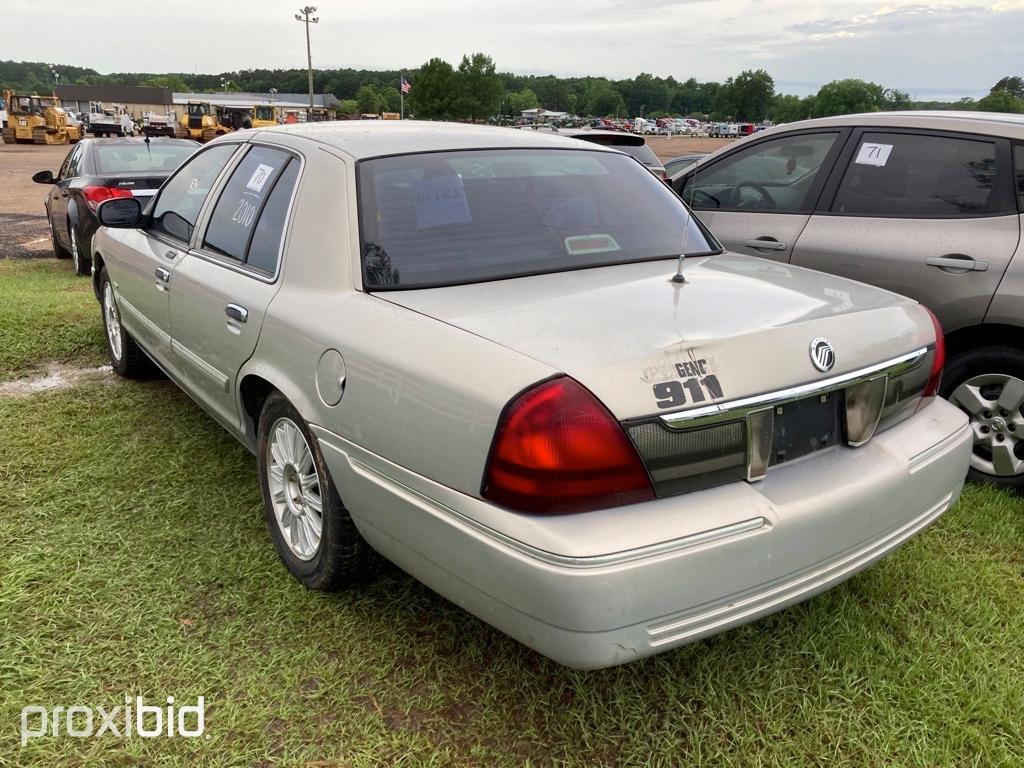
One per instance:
(765,245)
(965,263)
(162,275)
(235,312)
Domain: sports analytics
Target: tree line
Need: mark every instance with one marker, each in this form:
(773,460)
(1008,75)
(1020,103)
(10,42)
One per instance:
(475,90)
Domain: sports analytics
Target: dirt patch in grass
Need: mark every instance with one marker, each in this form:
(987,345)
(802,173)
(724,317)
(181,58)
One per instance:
(57,376)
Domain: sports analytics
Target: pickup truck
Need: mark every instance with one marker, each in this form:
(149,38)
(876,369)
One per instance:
(110,122)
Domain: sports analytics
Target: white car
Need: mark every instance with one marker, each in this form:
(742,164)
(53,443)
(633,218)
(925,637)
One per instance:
(479,352)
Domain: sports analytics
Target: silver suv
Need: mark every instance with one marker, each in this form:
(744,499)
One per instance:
(926,204)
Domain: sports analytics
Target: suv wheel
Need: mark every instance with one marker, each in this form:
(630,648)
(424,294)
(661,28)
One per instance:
(988,384)
(313,532)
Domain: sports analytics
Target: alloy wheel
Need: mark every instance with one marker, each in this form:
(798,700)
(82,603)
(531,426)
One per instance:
(112,320)
(295,490)
(995,403)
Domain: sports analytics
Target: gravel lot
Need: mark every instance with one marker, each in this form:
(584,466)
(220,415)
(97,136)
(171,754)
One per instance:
(23,232)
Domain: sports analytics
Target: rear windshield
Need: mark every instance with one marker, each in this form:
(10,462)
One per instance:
(447,218)
(140,156)
(641,152)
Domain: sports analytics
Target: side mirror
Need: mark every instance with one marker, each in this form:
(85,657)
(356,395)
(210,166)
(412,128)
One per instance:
(43,177)
(120,213)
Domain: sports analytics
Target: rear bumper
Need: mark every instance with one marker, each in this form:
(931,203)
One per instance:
(701,562)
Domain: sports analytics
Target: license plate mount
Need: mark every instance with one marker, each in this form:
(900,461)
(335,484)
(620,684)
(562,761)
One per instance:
(807,426)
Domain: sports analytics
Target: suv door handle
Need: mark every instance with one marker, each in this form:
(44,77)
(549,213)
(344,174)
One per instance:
(235,312)
(765,244)
(957,262)
(162,275)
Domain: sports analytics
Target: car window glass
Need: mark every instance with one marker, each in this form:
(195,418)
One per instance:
(1018,164)
(245,194)
(444,218)
(74,161)
(773,175)
(63,173)
(177,208)
(913,175)
(132,157)
(266,239)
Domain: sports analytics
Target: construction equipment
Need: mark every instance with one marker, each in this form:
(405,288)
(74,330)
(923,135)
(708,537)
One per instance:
(37,120)
(200,122)
(110,122)
(266,115)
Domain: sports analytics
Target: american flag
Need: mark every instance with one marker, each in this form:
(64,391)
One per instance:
(405,86)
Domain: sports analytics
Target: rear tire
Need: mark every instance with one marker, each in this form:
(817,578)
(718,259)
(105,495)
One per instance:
(988,384)
(313,533)
(59,250)
(80,260)
(126,357)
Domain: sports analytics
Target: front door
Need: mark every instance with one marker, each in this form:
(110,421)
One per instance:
(143,274)
(758,198)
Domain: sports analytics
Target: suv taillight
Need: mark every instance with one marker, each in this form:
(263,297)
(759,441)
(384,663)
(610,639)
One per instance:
(558,449)
(96,195)
(931,389)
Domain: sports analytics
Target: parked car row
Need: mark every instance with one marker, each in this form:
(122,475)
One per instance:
(518,366)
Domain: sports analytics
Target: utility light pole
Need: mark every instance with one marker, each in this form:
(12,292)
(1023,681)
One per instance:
(306,12)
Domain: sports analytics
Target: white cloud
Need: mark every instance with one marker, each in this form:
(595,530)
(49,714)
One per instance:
(950,46)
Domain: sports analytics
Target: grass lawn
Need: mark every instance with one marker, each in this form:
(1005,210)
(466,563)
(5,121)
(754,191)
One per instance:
(46,315)
(136,562)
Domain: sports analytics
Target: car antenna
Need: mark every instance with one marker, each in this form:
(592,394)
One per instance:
(679,277)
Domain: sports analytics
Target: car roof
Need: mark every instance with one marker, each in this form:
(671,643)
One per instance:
(614,137)
(991,123)
(363,139)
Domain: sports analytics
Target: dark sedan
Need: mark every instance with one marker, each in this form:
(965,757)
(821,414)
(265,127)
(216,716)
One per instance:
(99,169)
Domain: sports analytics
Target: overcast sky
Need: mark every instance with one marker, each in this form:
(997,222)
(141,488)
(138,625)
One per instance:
(938,50)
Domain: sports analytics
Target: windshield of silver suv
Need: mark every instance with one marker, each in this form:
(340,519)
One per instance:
(446,218)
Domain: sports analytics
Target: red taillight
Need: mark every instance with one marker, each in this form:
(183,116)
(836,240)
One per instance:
(558,449)
(931,389)
(96,195)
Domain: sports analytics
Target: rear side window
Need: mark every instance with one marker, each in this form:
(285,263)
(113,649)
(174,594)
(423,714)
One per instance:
(918,176)
(775,176)
(177,208)
(248,220)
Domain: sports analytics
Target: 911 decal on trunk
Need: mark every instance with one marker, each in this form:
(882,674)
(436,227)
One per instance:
(695,385)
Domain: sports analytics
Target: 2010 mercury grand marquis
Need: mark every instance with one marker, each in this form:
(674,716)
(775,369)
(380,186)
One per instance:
(477,352)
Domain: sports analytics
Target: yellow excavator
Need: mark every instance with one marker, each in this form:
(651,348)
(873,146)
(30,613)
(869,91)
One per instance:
(200,122)
(38,120)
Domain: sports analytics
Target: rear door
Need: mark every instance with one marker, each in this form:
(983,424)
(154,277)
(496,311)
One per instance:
(758,198)
(223,286)
(928,214)
(142,272)
(59,194)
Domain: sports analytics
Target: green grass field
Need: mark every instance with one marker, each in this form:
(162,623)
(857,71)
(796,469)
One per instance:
(136,562)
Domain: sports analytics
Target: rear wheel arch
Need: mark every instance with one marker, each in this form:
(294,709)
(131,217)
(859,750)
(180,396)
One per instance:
(973,337)
(253,392)
(97,267)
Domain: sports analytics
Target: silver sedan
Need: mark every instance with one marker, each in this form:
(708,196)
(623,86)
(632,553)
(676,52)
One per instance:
(515,365)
